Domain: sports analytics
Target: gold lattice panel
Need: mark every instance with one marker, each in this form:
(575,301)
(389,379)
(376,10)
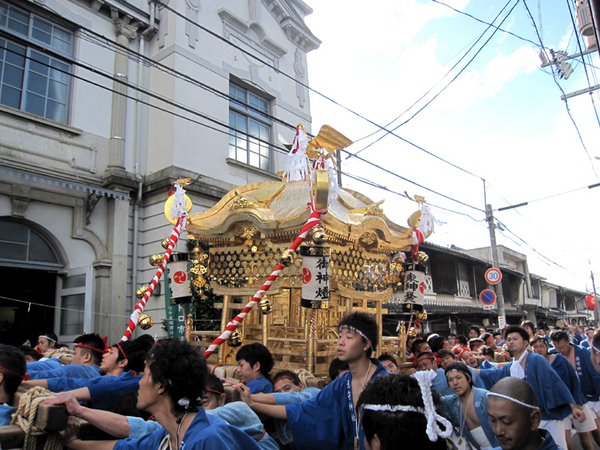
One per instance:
(360,270)
(249,266)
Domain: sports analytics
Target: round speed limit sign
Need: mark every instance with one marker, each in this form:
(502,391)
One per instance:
(493,276)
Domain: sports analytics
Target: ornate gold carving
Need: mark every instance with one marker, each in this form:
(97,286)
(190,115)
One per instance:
(247,232)
(369,239)
(243,202)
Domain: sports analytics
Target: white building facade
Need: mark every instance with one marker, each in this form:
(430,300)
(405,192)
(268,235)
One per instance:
(103,104)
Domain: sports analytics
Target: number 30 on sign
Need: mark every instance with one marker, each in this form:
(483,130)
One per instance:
(493,276)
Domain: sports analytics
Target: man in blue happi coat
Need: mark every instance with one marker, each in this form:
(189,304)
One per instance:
(467,408)
(329,420)
(555,400)
(566,372)
(589,380)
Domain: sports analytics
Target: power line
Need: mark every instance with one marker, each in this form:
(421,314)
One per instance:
(436,84)
(561,89)
(403,194)
(533,249)
(451,81)
(504,208)
(413,182)
(486,23)
(195,82)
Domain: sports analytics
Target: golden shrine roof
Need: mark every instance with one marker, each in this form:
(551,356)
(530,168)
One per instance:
(279,207)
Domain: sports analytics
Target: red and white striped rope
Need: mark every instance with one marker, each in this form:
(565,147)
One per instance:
(139,308)
(313,220)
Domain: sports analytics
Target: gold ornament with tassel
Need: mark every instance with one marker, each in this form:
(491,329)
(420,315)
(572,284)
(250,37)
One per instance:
(287,256)
(235,340)
(319,236)
(156,260)
(266,307)
(141,291)
(145,322)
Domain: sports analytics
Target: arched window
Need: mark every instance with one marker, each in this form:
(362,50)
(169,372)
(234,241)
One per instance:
(21,246)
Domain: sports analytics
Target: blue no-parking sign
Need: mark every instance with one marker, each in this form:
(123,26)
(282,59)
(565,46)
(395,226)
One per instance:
(488,298)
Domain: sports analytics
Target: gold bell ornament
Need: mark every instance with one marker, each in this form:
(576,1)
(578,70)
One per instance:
(145,322)
(266,307)
(319,236)
(141,291)
(235,340)
(413,332)
(287,256)
(165,242)
(156,260)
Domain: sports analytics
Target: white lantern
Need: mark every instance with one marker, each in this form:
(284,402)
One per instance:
(414,288)
(315,276)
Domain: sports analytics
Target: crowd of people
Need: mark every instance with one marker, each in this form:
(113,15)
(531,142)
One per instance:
(520,388)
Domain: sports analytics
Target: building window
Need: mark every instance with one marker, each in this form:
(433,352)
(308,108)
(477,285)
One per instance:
(250,128)
(34,64)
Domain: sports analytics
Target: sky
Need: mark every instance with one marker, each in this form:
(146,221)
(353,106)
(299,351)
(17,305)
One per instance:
(498,116)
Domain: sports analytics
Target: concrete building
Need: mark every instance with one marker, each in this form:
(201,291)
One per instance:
(103,104)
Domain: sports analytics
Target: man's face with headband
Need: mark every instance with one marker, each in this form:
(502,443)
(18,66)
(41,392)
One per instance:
(426,363)
(512,424)
(44,344)
(351,345)
(109,360)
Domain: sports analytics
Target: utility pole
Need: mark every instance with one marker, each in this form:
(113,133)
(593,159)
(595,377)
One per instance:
(499,293)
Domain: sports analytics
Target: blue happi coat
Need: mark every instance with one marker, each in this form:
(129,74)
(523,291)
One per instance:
(204,433)
(453,411)
(328,421)
(588,377)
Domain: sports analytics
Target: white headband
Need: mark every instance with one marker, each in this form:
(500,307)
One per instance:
(495,394)
(49,338)
(394,408)
(355,330)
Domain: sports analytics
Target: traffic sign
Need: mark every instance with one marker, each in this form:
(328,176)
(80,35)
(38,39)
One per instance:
(487,297)
(493,276)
